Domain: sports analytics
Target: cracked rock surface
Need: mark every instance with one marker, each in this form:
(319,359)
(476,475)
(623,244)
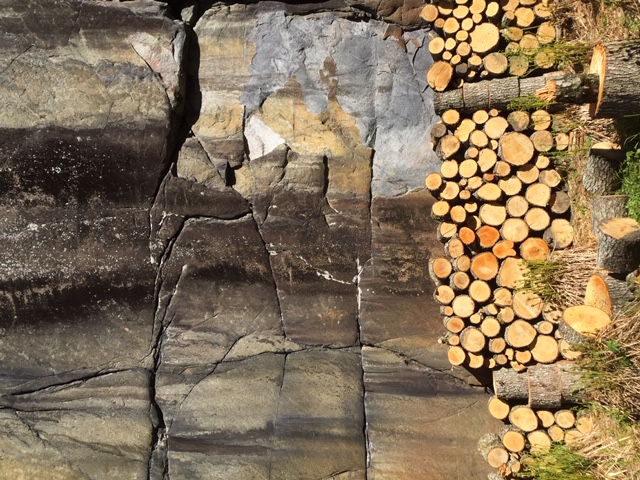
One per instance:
(214,245)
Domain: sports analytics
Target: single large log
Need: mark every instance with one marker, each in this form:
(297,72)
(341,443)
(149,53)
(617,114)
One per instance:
(582,322)
(541,386)
(497,93)
(607,206)
(618,70)
(601,173)
(619,244)
(597,295)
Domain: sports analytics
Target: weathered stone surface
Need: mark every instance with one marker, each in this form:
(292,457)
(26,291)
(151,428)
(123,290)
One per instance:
(84,131)
(397,310)
(421,423)
(70,303)
(97,428)
(377,82)
(272,416)
(189,267)
(239,314)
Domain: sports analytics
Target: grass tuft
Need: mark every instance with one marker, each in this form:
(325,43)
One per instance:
(561,280)
(560,462)
(629,132)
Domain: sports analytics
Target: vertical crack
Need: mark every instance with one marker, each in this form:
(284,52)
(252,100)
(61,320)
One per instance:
(270,253)
(361,268)
(275,420)
(158,461)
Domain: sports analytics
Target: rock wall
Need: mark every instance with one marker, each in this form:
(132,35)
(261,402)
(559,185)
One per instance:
(214,243)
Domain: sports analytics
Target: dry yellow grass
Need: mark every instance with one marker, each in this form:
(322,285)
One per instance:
(593,21)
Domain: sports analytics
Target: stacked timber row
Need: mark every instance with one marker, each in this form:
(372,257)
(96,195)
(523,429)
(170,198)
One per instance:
(500,204)
(534,404)
(482,39)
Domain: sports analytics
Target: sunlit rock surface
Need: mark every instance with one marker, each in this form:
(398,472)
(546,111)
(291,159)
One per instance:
(214,245)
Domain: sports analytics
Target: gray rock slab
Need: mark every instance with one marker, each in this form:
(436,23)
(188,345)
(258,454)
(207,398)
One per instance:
(320,425)
(218,301)
(76,294)
(422,423)
(95,429)
(287,416)
(397,309)
(375,80)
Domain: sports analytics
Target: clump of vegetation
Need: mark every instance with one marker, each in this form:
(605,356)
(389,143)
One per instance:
(527,103)
(560,462)
(610,364)
(628,129)
(542,278)
(561,280)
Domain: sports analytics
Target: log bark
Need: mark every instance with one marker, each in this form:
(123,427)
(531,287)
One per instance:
(618,72)
(559,203)
(607,206)
(541,386)
(492,450)
(620,290)
(601,172)
(497,93)
(619,244)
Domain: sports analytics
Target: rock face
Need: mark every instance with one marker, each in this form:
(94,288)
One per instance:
(214,246)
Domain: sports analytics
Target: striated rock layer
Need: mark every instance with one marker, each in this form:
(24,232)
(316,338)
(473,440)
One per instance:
(214,246)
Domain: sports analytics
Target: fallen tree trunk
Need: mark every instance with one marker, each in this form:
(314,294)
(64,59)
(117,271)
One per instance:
(497,93)
(610,87)
(617,68)
(541,386)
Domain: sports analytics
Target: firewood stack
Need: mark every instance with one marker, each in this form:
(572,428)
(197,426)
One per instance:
(483,39)
(534,403)
(500,203)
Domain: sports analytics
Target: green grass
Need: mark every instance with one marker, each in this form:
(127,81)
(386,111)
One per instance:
(540,278)
(558,463)
(629,129)
(527,103)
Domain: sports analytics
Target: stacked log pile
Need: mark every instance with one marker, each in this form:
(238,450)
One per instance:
(500,205)
(483,39)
